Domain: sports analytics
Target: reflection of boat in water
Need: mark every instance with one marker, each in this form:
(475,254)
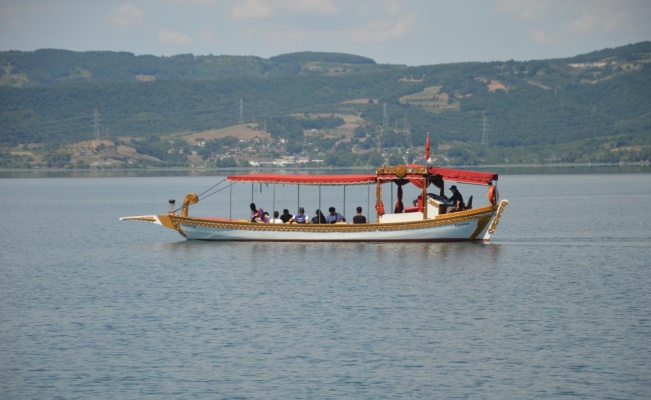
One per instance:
(426,221)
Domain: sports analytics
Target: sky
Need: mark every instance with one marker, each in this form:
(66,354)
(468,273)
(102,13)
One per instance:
(409,32)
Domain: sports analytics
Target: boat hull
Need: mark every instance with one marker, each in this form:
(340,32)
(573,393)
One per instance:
(471,225)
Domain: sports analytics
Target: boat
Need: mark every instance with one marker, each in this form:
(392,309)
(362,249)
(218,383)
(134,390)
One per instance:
(431,218)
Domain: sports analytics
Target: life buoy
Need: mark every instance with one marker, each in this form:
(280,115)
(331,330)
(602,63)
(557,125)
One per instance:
(493,195)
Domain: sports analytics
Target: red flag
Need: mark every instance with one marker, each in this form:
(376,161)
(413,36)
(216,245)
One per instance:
(427,147)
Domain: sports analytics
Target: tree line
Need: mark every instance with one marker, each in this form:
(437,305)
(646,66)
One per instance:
(537,110)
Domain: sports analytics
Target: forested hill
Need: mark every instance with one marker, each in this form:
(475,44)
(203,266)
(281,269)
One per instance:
(64,108)
(51,67)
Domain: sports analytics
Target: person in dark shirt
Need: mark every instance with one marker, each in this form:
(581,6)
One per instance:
(456,200)
(319,218)
(286,216)
(359,218)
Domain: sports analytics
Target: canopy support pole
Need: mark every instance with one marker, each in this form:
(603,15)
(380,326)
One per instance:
(368,201)
(425,199)
(344,200)
(378,200)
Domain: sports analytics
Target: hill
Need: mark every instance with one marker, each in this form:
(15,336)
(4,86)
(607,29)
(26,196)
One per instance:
(104,109)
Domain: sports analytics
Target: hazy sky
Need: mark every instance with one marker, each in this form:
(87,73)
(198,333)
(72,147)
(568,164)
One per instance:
(412,32)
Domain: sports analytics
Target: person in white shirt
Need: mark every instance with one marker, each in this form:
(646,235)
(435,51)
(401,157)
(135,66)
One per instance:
(276,219)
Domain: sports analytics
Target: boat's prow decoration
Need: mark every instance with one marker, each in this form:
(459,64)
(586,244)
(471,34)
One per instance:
(191,198)
(496,219)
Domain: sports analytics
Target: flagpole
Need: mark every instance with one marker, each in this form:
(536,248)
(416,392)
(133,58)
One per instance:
(427,145)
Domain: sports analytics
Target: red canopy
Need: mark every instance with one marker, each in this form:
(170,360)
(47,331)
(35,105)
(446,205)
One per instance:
(305,179)
(464,176)
(434,174)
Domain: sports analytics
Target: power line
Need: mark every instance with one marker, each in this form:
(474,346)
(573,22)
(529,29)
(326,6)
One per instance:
(545,123)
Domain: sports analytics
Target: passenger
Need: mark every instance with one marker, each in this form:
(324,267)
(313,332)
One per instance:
(334,216)
(359,218)
(276,219)
(258,215)
(319,218)
(456,200)
(286,216)
(300,218)
(254,213)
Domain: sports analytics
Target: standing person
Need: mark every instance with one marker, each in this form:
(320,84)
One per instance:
(334,216)
(300,218)
(276,219)
(359,218)
(286,216)
(456,200)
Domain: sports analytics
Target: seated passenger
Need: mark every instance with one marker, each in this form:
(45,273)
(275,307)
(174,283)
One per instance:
(254,213)
(300,218)
(276,219)
(286,216)
(359,218)
(334,216)
(456,200)
(258,215)
(319,218)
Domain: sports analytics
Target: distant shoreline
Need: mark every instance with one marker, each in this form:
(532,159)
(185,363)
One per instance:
(638,167)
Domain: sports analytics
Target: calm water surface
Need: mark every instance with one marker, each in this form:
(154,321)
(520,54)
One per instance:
(556,306)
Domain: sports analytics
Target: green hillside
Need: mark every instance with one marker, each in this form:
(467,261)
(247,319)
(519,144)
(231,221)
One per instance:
(107,109)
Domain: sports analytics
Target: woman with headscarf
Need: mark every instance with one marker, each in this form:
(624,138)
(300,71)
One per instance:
(319,218)
(258,214)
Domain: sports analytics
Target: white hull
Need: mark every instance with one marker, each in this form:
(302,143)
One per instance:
(471,225)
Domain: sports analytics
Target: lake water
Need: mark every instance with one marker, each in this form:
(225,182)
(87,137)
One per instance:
(557,305)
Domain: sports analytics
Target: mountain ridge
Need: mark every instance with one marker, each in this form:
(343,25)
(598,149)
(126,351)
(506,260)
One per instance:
(590,107)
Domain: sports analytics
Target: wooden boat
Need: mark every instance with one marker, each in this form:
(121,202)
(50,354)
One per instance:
(426,221)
